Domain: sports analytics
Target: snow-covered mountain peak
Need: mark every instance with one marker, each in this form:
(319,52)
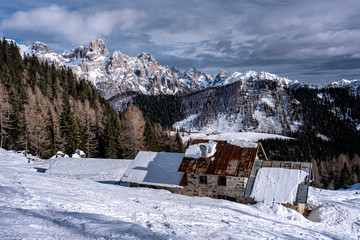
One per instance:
(97,49)
(352,85)
(196,80)
(223,79)
(146,56)
(222,73)
(345,83)
(41,47)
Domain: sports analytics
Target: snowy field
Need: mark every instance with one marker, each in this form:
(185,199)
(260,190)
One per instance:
(35,205)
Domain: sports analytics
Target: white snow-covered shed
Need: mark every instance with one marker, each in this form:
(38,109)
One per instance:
(278,185)
(102,170)
(155,169)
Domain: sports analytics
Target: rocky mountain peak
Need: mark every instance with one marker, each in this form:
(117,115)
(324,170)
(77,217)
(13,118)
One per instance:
(41,47)
(220,77)
(222,73)
(146,56)
(97,49)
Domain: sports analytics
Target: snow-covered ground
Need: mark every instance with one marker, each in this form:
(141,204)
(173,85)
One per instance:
(35,205)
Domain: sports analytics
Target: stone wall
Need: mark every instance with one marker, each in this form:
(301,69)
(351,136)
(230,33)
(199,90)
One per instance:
(233,190)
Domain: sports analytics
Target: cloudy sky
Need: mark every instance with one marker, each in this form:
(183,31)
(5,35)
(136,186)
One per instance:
(312,41)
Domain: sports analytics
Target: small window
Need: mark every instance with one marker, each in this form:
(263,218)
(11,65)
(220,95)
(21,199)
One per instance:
(203,179)
(222,181)
(221,197)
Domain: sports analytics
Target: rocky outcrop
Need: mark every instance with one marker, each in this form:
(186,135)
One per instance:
(42,48)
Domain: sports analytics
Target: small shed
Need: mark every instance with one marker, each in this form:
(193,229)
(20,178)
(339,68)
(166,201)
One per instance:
(280,182)
(101,170)
(154,169)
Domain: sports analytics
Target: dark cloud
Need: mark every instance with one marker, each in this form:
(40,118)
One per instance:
(312,41)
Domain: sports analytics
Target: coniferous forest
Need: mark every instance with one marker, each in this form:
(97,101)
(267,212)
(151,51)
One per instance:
(329,137)
(45,109)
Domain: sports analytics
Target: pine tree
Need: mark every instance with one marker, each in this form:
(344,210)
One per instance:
(5,124)
(345,179)
(151,142)
(113,147)
(179,144)
(68,126)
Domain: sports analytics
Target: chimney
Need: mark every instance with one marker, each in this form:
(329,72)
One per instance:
(204,151)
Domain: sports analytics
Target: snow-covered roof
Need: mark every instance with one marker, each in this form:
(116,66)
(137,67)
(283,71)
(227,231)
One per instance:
(193,151)
(91,168)
(229,158)
(153,168)
(277,185)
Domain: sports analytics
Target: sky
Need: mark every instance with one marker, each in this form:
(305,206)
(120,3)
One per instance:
(311,41)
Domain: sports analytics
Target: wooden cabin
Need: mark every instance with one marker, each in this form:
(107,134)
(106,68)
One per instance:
(222,174)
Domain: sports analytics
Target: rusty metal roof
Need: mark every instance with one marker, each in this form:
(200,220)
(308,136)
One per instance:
(228,160)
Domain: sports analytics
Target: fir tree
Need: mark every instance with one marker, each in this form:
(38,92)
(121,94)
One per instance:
(113,147)
(345,179)
(151,141)
(68,126)
(179,144)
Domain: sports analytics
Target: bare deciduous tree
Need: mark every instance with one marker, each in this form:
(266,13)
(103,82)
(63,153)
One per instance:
(134,125)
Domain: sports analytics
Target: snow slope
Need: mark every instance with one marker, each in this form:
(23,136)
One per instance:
(36,205)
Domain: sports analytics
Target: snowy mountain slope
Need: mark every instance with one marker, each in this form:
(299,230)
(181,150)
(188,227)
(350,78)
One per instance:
(245,105)
(37,205)
(223,79)
(352,85)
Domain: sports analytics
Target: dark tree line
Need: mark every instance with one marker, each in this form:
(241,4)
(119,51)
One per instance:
(163,109)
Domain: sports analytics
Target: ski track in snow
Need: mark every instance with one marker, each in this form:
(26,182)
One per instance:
(36,205)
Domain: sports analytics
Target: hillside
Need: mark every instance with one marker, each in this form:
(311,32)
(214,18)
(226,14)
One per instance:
(43,206)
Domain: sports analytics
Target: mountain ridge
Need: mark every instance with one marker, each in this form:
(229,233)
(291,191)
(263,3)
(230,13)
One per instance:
(118,73)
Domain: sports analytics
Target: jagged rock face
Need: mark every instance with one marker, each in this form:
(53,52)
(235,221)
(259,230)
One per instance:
(41,48)
(142,74)
(118,73)
(97,50)
(220,77)
(196,80)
